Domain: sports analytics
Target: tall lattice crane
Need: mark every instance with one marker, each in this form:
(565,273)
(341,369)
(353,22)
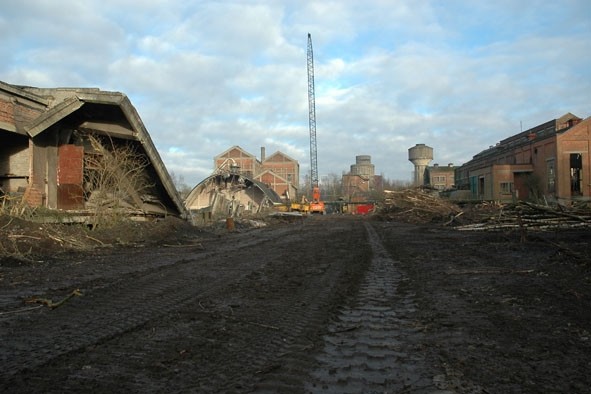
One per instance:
(316,205)
(312,116)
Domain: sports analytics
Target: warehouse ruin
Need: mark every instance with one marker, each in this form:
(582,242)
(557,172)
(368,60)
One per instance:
(81,151)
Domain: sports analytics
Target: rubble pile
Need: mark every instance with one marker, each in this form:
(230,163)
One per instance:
(416,206)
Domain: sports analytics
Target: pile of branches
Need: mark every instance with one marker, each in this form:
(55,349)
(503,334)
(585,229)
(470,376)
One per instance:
(529,216)
(422,206)
(418,206)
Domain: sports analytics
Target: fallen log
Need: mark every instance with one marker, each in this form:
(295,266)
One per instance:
(52,305)
(489,272)
(555,212)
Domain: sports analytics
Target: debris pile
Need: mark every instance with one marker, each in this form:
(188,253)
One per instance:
(26,240)
(529,216)
(417,206)
(420,206)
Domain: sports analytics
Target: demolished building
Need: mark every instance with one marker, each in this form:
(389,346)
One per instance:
(80,149)
(229,193)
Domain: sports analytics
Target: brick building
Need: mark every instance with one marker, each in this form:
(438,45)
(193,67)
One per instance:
(550,161)
(440,177)
(279,172)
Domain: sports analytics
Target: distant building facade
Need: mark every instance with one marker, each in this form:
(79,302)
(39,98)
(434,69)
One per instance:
(550,161)
(440,177)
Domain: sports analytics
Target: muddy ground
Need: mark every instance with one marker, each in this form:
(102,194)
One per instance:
(330,304)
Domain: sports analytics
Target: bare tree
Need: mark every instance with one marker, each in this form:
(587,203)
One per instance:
(114,179)
(180,185)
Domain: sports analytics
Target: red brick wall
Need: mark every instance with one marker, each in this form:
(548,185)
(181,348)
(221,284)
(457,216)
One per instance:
(70,169)
(17,114)
(6,111)
(283,166)
(247,163)
(275,183)
(70,165)
(34,197)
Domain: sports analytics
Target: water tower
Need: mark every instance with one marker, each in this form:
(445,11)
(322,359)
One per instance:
(420,155)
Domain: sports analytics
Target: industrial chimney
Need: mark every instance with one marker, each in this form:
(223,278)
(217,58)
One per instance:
(420,155)
(263,155)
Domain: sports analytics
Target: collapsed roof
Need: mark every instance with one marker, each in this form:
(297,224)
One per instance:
(230,194)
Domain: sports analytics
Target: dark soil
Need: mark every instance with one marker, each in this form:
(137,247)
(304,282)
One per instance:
(329,304)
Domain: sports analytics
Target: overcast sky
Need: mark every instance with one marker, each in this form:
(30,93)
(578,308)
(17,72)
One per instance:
(457,75)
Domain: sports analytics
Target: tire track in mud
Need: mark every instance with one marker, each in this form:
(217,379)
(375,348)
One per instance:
(111,265)
(260,364)
(106,312)
(374,345)
(102,340)
(93,318)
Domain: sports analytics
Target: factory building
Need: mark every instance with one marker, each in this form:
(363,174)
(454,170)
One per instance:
(278,171)
(547,162)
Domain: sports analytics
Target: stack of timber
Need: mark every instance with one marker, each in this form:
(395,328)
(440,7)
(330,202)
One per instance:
(417,205)
(529,216)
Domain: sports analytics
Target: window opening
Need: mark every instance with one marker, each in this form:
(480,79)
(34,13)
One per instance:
(506,187)
(481,187)
(576,176)
(551,176)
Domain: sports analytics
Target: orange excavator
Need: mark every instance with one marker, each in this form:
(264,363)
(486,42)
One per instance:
(317,205)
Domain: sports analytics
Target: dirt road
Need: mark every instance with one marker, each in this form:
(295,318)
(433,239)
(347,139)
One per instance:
(334,304)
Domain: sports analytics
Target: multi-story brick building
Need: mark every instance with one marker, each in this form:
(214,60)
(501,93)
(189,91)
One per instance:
(279,172)
(550,161)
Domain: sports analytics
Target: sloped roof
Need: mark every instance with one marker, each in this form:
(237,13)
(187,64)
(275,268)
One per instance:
(277,154)
(540,131)
(271,172)
(227,151)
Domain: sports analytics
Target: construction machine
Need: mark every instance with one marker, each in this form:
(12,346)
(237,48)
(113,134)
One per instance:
(302,206)
(316,205)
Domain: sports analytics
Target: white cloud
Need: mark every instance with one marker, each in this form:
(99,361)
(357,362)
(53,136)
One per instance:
(208,75)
